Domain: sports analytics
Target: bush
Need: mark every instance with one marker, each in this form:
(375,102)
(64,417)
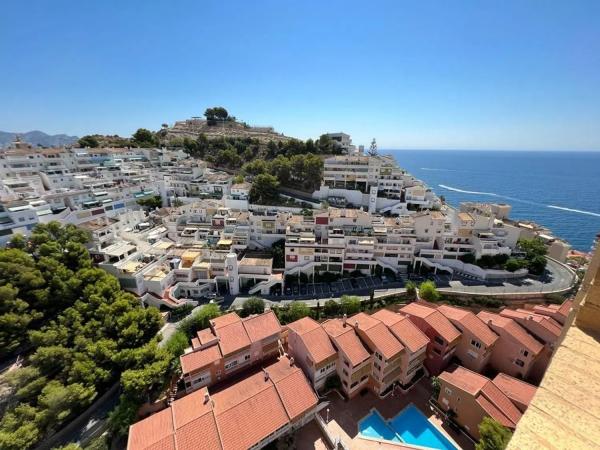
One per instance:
(411,289)
(513,264)
(331,308)
(181,311)
(428,291)
(253,305)
(493,436)
(200,319)
(537,265)
(349,304)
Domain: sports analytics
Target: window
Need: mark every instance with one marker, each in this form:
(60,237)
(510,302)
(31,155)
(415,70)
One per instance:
(438,340)
(346,363)
(345,372)
(519,363)
(437,351)
(448,391)
(475,343)
(246,358)
(525,353)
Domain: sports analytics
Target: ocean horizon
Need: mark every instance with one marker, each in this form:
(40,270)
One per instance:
(554,188)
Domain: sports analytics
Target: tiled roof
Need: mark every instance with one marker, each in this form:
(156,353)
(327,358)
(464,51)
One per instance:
(261,326)
(494,412)
(513,330)
(225,320)
(303,325)
(205,336)
(434,319)
(551,325)
(518,391)
(346,341)
(200,358)
(501,401)
(388,317)
(380,336)
(409,334)
(237,417)
(318,345)
(232,338)
(565,308)
(464,379)
(470,322)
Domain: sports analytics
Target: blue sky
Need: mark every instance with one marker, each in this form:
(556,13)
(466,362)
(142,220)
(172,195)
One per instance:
(422,74)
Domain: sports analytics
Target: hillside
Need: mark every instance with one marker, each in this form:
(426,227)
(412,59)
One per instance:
(192,128)
(37,138)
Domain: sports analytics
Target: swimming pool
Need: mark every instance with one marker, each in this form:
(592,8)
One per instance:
(409,426)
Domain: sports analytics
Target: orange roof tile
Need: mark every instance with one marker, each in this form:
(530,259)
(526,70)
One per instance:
(261,326)
(198,359)
(156,429)
(224,320)
(434,319)
(303,325)
(471,323)
(378,334)
(409,334)
(205,336)
(190,407)
(232,338)
(551,325)
(501,401)
(494,412)
(346,340)
(464,379)
(517,390)
(199,434)
(296,395)
(318,345)
(388,317)
(512,329)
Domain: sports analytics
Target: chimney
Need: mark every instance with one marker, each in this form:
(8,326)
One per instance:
(206,397)
(489,322)
(266,374)
(356,324)
(529,317)
(344,319)
(292,361)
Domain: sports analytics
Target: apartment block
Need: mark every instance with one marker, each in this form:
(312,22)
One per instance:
(470,397)
(476,344)
(443,336)
(230,344)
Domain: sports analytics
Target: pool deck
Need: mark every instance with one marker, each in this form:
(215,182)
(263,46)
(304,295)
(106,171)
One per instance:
(344,416)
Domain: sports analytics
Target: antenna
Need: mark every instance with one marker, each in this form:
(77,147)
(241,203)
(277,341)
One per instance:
(373,148)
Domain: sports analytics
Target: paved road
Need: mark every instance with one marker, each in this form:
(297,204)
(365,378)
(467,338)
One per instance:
(558,278)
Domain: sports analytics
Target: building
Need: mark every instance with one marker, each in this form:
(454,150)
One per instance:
(229,345)
(443,336)
(415,343)
(249,414)
(519,392)
(468,397)
(476,344)
(312,350)
(516,352)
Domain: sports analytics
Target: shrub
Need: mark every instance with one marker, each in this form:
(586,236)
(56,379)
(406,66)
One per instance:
(349,304)
(428,291)
(253,305)
(411,289)
(493,436)
(331,308)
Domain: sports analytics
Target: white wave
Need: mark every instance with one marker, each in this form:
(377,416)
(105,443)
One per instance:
(467,192)
(589,213)
(436,170)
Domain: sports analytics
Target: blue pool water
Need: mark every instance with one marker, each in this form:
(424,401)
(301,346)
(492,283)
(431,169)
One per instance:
(409,426)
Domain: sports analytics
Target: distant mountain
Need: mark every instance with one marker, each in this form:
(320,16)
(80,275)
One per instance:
(37,138)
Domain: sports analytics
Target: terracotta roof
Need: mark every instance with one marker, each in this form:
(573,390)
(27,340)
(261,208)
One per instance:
(434,319)
(565,308)
(501,401)
(303,325)
(464,379)
(388,317)
(471,323)
(198,359)
(237,417)
(225,320)
(379,335)
(518,391)
(346,340)
(205,336)
(232,338)
(314,337)
(409,334)
(547,322)
(494,412)
(512,329)
(261,326)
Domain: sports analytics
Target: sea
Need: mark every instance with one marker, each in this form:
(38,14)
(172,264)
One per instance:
(557,189)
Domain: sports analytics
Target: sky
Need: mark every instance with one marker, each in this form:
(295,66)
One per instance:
(421,74)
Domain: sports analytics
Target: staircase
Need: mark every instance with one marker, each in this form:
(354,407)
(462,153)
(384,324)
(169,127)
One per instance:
(263,286)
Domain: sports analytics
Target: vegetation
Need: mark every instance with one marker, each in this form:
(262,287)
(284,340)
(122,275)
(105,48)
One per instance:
(435,387)
(88,141)
(535,252)
(349,304)
(493,436)
(264,189)
(151,202)
(411,289)
(302,171)
(253,305)
(292,312)
(333,382)
(278,253)
(144,138)
(331,308)
(428,291)
(86,333)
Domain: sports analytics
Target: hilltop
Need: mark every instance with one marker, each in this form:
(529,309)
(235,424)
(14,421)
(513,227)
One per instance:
(194,127)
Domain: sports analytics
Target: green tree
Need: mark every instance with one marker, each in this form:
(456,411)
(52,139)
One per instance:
(88,141)
(513,264)
(238,179)
(349,304)
(144,138)
(264,189)
(532,247)
(150,203)
(493,436)
(331,308)
(411,289)
(253,305)
(278,253)
(428,291)
(435,387)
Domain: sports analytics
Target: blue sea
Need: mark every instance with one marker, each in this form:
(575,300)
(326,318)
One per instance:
(560,190)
